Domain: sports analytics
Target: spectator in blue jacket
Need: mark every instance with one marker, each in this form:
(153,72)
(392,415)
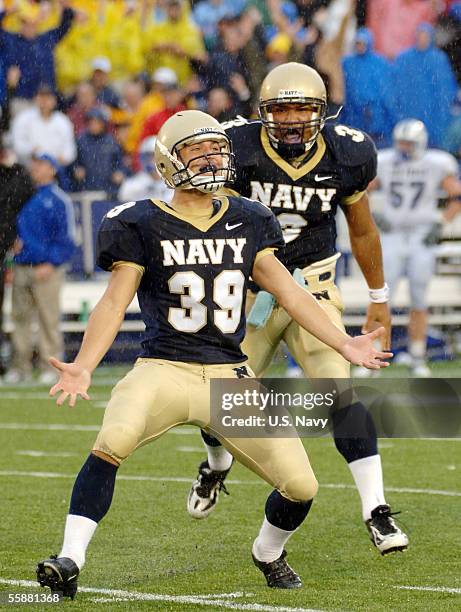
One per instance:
(208,13)
(46,241)
(367,81)
(424,85)
(33,53)
(99,165)
(452,139)
(228,66)
(100,79)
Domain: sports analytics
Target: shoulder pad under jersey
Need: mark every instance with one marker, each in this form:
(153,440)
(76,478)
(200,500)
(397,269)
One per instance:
(130,212)
(349,146)
(245,138)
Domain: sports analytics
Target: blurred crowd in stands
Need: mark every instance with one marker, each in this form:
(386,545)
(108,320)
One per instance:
(88,81)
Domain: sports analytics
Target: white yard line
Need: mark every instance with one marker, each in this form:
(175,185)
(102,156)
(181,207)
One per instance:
(119,477)
(26,396)
(13,395)
(400,490)
(214,596)
(49,427)
(207,600)
(6,388)
(431,589)
(252,483)
(179,431)
(35,453)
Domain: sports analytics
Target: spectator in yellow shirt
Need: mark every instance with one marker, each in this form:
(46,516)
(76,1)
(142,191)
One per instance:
(173,42)
(132,98)
(75,52)
(120,23)
(153,102)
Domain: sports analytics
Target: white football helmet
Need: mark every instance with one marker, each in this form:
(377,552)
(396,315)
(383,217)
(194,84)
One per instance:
(148,145)
(188,127)
(146,153)
(410,131)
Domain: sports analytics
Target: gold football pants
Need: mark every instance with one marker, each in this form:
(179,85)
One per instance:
(316,358)
(158,394)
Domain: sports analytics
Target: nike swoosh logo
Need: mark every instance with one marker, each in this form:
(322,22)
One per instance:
(321,178)
(231,227)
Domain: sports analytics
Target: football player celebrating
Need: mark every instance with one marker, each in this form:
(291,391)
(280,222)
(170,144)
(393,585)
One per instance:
(303,170)
(410,176)
(189,263)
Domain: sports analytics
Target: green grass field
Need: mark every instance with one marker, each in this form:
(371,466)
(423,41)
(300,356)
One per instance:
(149,554)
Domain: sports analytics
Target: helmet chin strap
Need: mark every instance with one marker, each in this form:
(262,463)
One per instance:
(293,150)
(210,188)
(289,151)
(206,186)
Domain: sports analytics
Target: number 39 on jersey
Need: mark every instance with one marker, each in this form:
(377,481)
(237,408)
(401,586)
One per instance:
(194,273)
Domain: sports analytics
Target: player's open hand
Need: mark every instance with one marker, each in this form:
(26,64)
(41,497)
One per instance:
(361,351)
(74,381)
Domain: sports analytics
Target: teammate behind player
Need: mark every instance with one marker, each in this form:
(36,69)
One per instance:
(147,183)
(410,177)
(189,263)
(303,169)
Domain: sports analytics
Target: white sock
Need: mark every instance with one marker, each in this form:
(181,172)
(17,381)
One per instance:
(77,535)
(219,458)
(270,542)
(418,349)
(368,476)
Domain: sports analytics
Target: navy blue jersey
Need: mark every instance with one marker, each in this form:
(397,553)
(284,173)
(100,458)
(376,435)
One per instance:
(195,273)
(305,199)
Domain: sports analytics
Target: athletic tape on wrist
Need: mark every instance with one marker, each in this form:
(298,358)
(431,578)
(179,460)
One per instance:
(379,296)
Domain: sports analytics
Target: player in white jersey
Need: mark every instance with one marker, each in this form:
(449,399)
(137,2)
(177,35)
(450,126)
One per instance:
(411,176)
(147,183)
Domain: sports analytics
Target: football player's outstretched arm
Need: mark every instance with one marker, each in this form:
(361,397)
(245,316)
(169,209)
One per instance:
(272,276)
(103,326)
(366,248)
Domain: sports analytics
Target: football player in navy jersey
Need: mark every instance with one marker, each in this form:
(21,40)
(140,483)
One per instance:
(303,168)
(189,263)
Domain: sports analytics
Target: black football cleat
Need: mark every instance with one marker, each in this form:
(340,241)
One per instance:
(205,491)
(384,533)
(60,574)
(279,575)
